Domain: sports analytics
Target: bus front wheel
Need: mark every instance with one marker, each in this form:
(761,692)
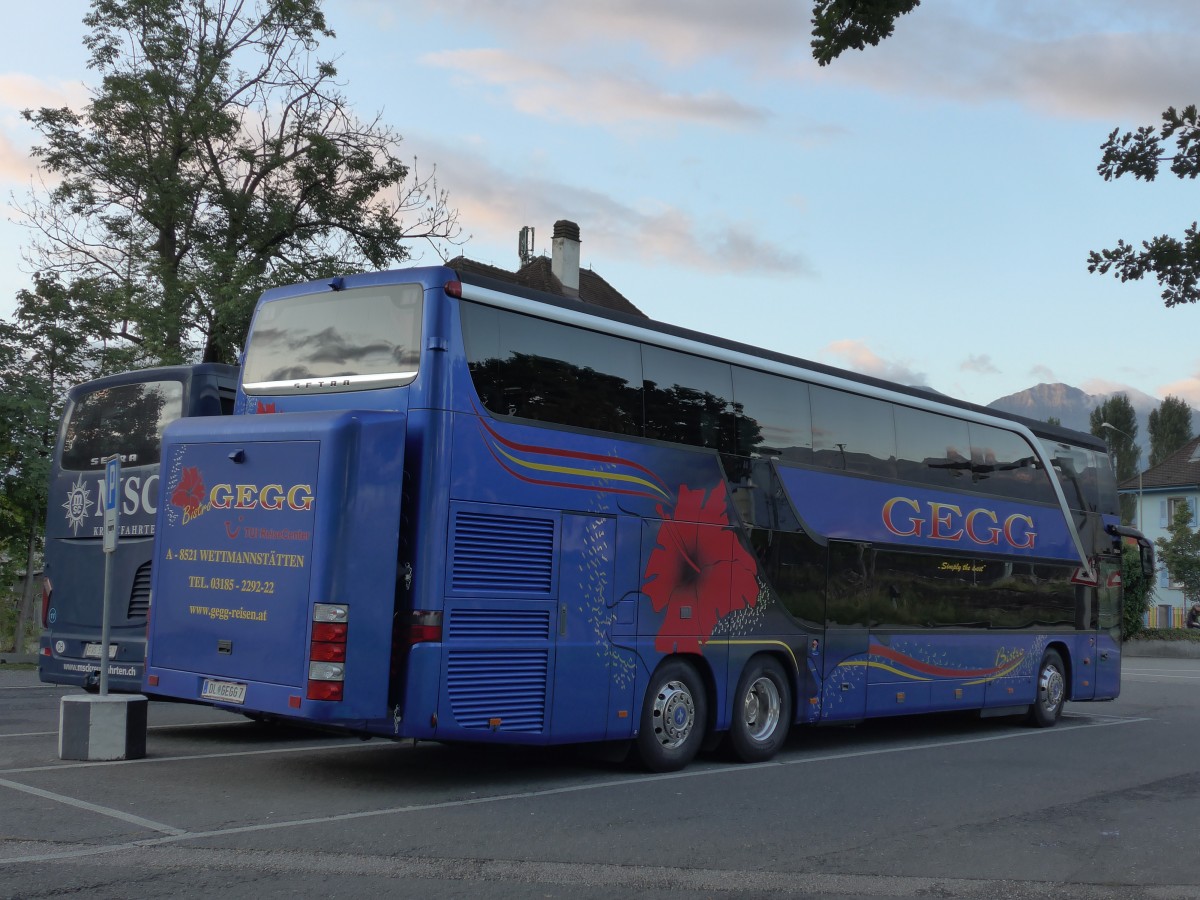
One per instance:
(674,717)
(1051,691)
(762,711)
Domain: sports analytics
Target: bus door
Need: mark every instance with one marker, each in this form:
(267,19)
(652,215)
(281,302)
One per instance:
(585,618)
(1108,634)
(847,639)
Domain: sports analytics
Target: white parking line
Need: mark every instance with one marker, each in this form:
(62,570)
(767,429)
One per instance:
(92,807)
(694,772)
(149,727)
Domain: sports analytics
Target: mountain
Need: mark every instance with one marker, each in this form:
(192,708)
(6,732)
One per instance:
(1073,407)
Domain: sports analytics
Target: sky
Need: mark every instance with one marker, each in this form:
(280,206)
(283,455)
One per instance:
(921,210)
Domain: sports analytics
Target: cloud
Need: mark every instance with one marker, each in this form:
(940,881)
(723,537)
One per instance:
(587,96)
(679,32)
(858,357)
(1079,60)
(1044,374)
(493,204)
(980,363)
(18,92)
(1186,388)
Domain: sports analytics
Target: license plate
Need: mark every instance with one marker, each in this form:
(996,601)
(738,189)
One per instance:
(92,651)
(226,691)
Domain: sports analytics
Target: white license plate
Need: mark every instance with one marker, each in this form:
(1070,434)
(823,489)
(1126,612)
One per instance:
(227,691)
(92,651)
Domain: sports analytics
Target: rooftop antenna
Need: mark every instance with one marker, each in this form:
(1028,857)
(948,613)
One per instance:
(525,244)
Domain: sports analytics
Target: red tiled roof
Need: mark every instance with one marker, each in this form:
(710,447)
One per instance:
(1180,469)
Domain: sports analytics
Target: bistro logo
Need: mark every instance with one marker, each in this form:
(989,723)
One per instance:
(195,498)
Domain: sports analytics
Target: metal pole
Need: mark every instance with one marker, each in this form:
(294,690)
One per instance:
(112,490)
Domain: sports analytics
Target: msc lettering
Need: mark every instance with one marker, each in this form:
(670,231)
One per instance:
(250,496)
(905,517)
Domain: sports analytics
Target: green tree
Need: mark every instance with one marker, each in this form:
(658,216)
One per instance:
(217,157)
(1138,592)
(47,347)
(1170,428)
(1180,552)
(1174,261)
(853,24)
(1054,420)
(1121,435)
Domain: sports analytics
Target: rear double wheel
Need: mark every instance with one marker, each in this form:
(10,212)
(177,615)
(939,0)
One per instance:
(674,717)
(762,712)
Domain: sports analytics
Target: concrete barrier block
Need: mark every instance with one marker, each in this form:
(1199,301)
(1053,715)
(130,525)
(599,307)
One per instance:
(102,728)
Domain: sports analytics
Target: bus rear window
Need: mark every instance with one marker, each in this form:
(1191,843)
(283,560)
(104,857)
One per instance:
(340,340)
(128,419)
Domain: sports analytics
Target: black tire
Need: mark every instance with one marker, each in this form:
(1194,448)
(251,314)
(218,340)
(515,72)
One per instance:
(1051,691)
(762,711)
(674,717)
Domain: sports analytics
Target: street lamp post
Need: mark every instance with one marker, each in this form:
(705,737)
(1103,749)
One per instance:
(1112,427)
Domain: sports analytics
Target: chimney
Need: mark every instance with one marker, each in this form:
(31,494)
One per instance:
(564,256)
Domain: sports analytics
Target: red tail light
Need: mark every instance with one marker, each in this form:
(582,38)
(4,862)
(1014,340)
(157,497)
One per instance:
(424,626)
(327,652)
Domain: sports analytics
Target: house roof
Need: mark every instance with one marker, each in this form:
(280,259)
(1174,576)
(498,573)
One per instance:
(1180,469)
(537,274)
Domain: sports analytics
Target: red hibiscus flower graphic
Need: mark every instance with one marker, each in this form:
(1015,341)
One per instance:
(190,493)
(265,407)
(699,572)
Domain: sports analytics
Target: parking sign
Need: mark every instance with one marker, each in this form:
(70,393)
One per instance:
(112,490)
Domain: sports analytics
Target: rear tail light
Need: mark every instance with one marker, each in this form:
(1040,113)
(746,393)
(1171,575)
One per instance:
(47,596)
(327,651)
(424,626)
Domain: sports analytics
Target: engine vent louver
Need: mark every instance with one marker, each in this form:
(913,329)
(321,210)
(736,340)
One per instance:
(139,595)
(499,624)
(501,690)
(502,555)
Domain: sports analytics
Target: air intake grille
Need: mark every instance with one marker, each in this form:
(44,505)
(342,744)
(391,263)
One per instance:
(502,555)
(499,624)
(490,685)
(139,596)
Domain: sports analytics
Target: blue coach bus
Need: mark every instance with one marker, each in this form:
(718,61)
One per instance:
(123,414)
(456,510)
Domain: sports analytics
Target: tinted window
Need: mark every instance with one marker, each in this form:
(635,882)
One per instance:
(932,449)
(1003,464)
(354,336)
(853,433)
(1086,477)
(929,591)
(128,419)
(795,570)
(535,369)
(688,399)
(773,416)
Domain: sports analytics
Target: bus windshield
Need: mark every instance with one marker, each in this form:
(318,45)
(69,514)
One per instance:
(127,419)
(342,340)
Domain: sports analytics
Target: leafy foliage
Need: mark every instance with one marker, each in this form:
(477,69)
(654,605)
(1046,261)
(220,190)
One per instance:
(1138,592)
(1180,552)
(1175,262)
(1170,428)
(1118,412)
(217,157)
(853,24)
(45,349)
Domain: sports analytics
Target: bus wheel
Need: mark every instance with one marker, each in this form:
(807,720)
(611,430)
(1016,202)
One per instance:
(1051,691)
(762,711)
(674,717)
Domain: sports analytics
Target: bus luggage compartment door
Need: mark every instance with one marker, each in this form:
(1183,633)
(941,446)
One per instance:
(261,518)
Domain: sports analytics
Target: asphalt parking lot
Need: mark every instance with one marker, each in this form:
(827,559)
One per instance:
(935,806)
